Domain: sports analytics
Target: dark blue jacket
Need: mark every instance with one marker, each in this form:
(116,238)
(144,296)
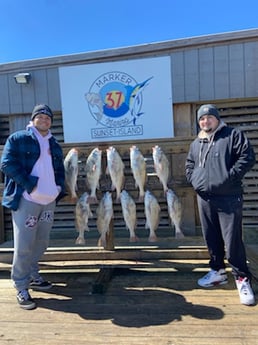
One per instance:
(216,165)
(20,153)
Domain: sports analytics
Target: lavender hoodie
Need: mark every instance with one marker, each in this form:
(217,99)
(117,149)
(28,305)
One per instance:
(46,190)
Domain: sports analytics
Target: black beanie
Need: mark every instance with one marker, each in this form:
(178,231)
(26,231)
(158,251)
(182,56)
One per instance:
(208,109)
(42,109)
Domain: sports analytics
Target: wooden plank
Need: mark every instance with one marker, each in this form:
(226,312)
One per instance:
(4,105)
(182,120)
(251,67)
(53,86)
(105,257)
(178,75)
(206,73)
(236,71)
(162,307)
(221,72)
(191,77)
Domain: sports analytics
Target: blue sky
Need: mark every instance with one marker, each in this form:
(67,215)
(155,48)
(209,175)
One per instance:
(31,29)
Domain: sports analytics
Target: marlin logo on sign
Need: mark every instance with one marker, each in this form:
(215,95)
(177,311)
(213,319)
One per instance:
(115,101)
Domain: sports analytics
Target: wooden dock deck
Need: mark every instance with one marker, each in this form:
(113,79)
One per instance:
(150,297)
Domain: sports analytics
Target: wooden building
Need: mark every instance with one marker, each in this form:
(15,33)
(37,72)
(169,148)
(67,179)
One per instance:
(221,69)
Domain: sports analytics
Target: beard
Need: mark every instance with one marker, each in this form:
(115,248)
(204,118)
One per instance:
(207,129)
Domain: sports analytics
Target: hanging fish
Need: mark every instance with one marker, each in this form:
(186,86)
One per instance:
(152,213)
(161,166)
(104,215)
(175,212)
(129,214)
(82,215)
(115,168)
(71,172)
(93,172)
(138,167)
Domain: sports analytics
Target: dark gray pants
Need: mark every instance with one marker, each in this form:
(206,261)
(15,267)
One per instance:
(221,220)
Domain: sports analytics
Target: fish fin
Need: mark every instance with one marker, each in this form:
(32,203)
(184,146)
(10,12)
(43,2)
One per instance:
(73,199)
(93,199)
(153,238)
(80,240)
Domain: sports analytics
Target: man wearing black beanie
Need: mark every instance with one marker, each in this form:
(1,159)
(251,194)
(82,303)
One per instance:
(32,162)
(42,109)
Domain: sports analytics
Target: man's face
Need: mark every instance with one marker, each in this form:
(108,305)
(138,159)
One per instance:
(208,123)
(42,122)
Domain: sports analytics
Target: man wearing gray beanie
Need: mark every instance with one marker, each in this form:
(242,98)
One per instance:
(32,162)
(216,163)
(208,109)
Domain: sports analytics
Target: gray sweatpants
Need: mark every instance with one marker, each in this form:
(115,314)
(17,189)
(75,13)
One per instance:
(31,227)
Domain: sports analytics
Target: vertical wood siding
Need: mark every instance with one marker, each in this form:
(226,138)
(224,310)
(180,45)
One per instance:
(215,73)
(218,72)
(21,98)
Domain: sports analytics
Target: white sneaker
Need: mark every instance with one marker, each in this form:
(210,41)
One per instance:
(245,291)
(214,278)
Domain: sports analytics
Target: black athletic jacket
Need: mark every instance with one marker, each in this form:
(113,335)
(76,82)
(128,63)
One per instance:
(217,163)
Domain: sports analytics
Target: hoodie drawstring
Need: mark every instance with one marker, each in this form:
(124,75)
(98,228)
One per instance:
(202,161)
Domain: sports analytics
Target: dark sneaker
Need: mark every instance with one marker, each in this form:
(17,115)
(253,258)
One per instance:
(40,284)
(25,301)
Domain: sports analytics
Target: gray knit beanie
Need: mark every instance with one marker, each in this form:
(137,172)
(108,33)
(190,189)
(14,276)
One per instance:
(208,109)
